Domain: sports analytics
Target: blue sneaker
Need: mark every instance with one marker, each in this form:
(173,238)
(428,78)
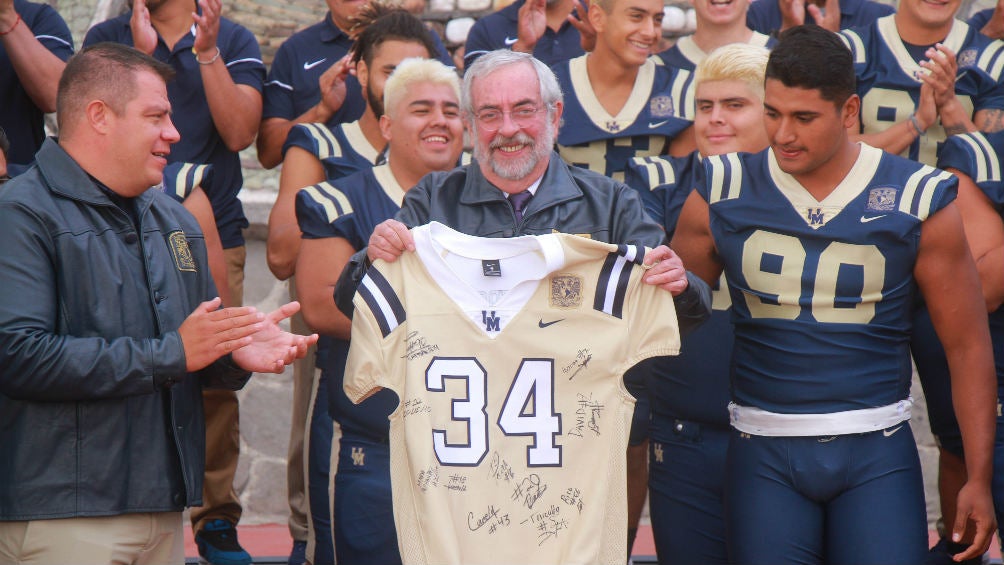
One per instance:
(298,555)
(218,544)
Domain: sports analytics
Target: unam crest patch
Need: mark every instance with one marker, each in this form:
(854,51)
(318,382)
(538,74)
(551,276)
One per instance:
(566,291)
(182,253)
(966,58)
(881,199)
(661,107)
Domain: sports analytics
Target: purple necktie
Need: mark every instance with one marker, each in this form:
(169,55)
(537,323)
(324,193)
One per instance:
(518,202)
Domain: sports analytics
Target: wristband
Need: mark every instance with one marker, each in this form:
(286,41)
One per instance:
(210,61)
(916,125)
(16,22)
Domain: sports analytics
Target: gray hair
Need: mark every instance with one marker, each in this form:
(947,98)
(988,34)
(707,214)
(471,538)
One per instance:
(492,61)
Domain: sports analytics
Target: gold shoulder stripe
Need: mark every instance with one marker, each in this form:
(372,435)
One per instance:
(992,59)
(327,143)
(333,201)
(853,42)
(658,170)
(918,193)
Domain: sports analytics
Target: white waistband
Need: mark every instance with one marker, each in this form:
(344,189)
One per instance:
(763,423)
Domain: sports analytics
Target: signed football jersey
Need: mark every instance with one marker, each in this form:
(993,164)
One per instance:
(822,291)
(655,113)
(507,355)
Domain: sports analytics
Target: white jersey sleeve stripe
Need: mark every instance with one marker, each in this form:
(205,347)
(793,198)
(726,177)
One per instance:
(382,301)
(735,177)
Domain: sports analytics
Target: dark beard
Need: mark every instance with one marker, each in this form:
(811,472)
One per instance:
(375,103)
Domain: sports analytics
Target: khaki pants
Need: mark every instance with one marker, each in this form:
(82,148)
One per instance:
(296,468)
(148,538)
(223,440)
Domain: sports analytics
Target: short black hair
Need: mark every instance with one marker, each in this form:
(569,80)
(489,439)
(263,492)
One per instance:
(105,71)
(377,23)
(810,57)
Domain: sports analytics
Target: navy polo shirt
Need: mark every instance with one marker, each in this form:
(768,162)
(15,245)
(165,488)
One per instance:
(200,141)
(500,31)
(292,87)
(765,15)
(19,116)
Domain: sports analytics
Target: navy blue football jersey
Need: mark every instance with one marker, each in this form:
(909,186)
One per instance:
(822,291)
(695,384)
(889,88)
(342,149)
(654,114)
(350,208)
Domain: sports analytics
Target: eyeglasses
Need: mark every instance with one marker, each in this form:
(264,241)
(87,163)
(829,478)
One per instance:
(492,119)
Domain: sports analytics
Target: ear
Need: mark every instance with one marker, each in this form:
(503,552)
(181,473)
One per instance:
(362,73)
(851,111)
(559,107)
(99,116)
(597,17)
(385,126)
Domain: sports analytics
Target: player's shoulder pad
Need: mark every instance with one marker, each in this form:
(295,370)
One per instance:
(920,195)
(649,172)
(327,198)
(382,301)
(852,39)
(180,179)
(317,138)
(612,284)
(974,154)
(991,59)
(724,177)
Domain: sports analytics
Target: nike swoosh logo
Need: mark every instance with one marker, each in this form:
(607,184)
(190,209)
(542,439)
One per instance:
(308,66)
(865,220)
(657,124)
(510,40)
(888,433)
(541,323)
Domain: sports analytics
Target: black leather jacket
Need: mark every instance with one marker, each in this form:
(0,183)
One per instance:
(97,414)
(568,200)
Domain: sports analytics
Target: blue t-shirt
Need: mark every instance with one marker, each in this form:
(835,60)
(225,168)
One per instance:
(765,15)
(19,116)
(200,141)
(822,292)
(655,113)
(500,31)
(890,92)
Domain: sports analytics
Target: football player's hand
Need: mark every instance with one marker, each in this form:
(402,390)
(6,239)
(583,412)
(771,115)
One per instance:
(665,270)
(942,68)
(974,509)
(927,111)
(8,15)
(994,27)
(144,36)
(207,29)
(578,19)
(531,25)
(210,332)
(389,240)
(270,348)
(829,17)
(792,13)
(332,85)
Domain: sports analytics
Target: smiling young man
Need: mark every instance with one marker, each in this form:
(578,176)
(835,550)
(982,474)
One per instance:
(719,22)
(424,133)
(619,103)
(689,394)
(824,243)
